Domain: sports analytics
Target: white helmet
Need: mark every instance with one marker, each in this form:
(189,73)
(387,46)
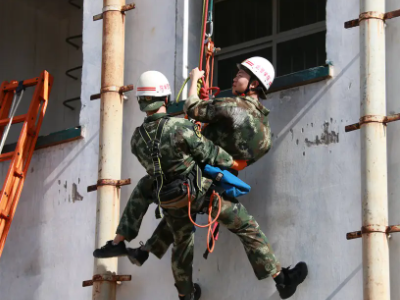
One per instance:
(262,69)
(152,84)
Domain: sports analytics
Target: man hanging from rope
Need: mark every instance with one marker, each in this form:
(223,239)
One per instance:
(171,150)
(239,125)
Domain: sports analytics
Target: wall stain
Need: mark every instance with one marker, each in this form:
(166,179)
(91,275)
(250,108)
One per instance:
(75,194)
(33,268)
(327,137)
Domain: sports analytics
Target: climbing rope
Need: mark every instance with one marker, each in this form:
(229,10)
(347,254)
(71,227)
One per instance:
(205,43)
(204,93)
(203,33)
(211,221)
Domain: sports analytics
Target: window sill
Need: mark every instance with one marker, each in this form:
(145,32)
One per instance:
(52,139)
(281,83)
(302,78)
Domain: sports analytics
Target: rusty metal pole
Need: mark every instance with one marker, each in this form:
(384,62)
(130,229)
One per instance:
(110,144)
(373,151)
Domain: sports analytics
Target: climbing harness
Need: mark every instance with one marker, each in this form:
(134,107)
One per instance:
(154,148)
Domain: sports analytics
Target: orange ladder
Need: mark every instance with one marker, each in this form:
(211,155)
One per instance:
(22,155)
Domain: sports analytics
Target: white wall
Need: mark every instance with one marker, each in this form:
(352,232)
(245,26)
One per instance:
(306,197)
(33,40)
(49,248)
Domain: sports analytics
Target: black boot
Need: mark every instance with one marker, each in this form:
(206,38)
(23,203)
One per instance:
(110,250)
(291,279)
(137,256)
(195,295)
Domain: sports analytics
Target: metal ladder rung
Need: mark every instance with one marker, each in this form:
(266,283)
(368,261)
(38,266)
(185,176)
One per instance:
(17,119)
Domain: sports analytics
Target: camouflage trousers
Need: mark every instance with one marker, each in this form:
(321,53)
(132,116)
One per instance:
(176,228)
(234,217)
(136,208)
(138,204)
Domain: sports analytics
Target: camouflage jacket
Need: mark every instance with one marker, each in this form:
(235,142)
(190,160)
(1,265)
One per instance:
(239,125)
(182,145)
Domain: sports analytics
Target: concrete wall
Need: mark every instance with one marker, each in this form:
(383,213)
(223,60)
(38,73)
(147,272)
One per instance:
(34,40)
(305,192)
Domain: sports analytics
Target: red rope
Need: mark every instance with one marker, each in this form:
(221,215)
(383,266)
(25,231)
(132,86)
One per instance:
(203,37)
(211,221)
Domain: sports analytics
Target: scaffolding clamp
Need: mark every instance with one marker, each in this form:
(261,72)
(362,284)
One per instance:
(107,8)
(106,277)
(113,89)
(372,229)
(372,119)
(372,15)
(111,182)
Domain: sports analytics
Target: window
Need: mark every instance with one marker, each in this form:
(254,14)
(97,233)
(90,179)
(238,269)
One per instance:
(289,33)
(45,35)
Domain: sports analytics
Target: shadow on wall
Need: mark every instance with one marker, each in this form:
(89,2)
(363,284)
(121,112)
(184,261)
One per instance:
(70,162)
(343,284)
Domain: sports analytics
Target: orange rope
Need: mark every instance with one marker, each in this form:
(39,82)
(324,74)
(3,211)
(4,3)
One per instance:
(212,71)
(211,221)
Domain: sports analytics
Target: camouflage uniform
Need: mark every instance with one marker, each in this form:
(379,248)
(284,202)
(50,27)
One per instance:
(239,125)
(181,147)
(234,217)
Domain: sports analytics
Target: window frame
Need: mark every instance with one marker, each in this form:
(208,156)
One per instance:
(270,41)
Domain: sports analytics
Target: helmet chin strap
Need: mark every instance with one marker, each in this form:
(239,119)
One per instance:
(248,89)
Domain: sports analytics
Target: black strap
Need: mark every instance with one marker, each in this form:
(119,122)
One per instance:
(154,147)
(199,175)
(20,87)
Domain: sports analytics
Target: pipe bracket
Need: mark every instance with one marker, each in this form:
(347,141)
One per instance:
(372,15)
(113,89)
(106,277)
(107,8)
(372,119)
(109,182)
(372,229)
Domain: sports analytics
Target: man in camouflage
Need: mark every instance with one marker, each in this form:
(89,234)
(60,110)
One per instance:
(251,142)
(241,126)
(181,147)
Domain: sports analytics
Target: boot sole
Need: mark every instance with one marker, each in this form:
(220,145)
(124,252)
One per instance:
(134,261)
(111,256)
(122,255)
